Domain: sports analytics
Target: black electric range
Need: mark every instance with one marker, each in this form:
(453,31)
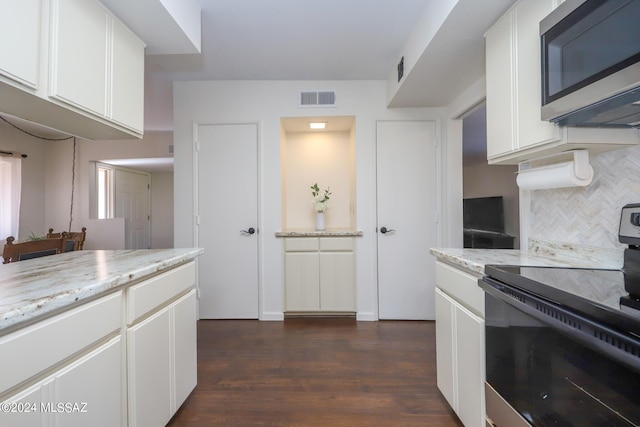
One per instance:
(563,344)
(601,295)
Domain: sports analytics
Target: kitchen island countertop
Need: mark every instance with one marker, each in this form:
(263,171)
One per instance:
(35,288)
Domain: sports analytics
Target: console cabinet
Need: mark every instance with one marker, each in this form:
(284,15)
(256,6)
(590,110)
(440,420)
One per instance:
(319,274)
(460,345)
(515,132)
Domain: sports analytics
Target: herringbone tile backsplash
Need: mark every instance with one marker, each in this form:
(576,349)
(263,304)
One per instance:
(589,215)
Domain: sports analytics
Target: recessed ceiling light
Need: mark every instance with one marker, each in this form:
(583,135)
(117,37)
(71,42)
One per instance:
(317,125)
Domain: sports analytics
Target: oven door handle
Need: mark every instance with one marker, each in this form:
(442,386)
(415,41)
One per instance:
(594,335)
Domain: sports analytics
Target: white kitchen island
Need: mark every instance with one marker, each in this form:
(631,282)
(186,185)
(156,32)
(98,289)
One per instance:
(97,338)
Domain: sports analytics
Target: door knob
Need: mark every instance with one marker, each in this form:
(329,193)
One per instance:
(385,230)
(249,231)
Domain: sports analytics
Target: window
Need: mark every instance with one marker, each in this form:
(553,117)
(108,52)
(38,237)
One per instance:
(10,187)
(104,182)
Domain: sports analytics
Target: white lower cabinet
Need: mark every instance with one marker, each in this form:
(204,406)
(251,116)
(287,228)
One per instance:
(91,389)
(86,393)
(319,275)
(162,362)
(149,359)
(460,349)
(67,370)
(100,365)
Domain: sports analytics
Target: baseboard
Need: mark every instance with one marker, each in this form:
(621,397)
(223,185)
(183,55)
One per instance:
(274,316)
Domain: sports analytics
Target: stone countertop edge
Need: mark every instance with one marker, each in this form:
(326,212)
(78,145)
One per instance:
(315,233)
(540,254)
(43,286)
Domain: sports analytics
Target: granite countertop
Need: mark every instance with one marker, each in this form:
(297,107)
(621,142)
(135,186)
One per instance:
(335,232)
(34,288)
(540,253)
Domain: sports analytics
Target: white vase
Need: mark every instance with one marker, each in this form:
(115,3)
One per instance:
(320,221)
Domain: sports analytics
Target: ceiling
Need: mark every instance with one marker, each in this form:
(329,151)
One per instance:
(328,40)
(317,40)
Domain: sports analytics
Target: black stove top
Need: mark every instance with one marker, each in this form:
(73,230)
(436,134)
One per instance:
(601,295)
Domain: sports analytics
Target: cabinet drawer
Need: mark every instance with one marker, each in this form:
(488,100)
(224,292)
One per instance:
(29,351)
(301,244)
(336,244)
(461,286)
(154,292)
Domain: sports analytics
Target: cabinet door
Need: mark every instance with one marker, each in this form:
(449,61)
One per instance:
(149,370)
(337,281)
(530,129)
(445,356)
(91,389)
(302,281)
(499,82)
(79,54)
(186,346)
(32,399)
(127,78)
(470,356)
(20,32)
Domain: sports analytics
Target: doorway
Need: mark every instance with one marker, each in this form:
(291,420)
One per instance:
(482,181)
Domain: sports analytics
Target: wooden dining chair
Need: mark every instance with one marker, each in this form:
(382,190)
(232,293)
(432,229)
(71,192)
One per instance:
(14,252)
(78,236)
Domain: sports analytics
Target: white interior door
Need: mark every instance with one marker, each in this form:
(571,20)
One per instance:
(227,186)
(132,191)
(407,209)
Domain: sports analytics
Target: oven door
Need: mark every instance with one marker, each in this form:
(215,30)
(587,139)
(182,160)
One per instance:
(548,376)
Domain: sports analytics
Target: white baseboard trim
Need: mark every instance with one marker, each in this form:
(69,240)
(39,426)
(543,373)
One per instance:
(275,316)
(366,317)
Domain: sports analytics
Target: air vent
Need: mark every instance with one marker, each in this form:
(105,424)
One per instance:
(326,98)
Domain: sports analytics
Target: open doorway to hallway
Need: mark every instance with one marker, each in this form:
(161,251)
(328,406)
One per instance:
(490,192)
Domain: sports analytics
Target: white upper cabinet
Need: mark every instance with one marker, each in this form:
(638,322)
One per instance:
(515,132)
(97,64)
(79,47)
(71,65)
(127,78)
(19,54)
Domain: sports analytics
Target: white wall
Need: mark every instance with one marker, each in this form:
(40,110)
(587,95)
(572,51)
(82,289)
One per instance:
(451,182)
(161,210)
(265,103)
(32,208)
(323,158)
(57,195)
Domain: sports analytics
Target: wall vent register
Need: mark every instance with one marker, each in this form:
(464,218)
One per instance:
(324,98)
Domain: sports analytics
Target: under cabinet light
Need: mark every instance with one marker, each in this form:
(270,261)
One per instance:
(317,125)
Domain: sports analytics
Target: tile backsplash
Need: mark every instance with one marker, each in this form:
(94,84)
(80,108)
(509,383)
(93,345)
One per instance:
(589,215)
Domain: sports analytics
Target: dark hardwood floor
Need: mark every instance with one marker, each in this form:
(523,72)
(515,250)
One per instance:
(316,372)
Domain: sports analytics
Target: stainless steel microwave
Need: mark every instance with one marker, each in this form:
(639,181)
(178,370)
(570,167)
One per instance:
(590,57)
